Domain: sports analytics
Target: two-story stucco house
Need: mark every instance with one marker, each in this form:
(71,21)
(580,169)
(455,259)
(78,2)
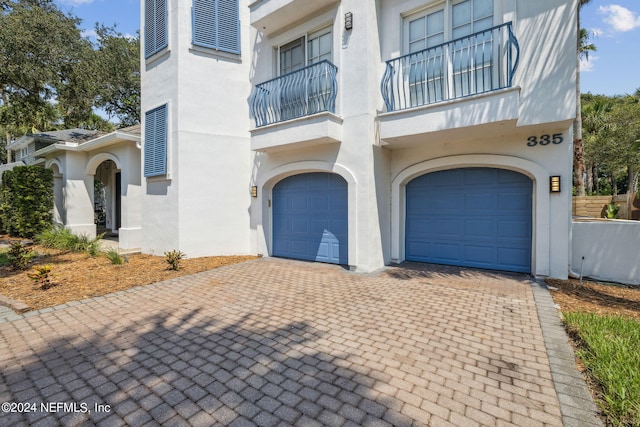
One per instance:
(361,133)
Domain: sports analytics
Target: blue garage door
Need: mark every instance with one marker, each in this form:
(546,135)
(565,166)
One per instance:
(310,218)
(474,217)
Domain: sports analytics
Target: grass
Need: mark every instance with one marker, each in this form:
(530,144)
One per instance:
(63,239)
(610,350)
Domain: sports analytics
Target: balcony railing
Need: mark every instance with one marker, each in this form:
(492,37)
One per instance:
(301,93)
(478,63)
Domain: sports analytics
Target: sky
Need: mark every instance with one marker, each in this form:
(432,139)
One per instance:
(124,14)
(614,27)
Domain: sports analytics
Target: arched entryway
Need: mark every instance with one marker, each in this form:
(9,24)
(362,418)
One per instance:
(107,198)
(475,217)
(310,218)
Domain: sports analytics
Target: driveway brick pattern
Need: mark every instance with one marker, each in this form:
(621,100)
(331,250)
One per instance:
(278,342)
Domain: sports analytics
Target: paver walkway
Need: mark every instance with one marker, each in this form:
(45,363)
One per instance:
(277,342)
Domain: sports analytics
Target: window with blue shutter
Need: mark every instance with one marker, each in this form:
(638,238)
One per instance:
(216,24)
(155,142)
(155,26)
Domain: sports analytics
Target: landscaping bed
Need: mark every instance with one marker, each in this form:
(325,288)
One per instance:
(603,321)
(76,276)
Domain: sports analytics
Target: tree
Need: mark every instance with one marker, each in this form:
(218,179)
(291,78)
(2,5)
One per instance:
(118,65)
(583,50)
(51,77)
(612,138)
(39,47)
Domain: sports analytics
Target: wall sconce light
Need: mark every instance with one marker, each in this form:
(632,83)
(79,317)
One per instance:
(554,184)
(348,21)
(254,191)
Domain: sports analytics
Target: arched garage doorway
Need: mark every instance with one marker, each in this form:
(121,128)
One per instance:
(310,218)
(474,217)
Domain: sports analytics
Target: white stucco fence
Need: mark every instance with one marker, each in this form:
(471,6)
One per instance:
(611,250)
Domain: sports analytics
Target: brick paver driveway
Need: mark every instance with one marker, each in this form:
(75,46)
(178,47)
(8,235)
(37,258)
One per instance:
(283,342)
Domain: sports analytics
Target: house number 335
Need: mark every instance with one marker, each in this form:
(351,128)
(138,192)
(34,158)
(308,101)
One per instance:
(556,138)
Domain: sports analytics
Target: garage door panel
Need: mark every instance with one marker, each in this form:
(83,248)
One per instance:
(480,228)
(446,251)
(445,228)
(479,254)
(480,177)
(480,201)
(514,201)
(490,228)
(310,218)
(513,229)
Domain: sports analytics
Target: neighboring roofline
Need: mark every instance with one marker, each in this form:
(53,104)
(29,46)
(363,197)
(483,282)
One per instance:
(95,144)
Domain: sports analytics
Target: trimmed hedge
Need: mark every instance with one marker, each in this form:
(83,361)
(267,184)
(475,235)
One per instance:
(26,200)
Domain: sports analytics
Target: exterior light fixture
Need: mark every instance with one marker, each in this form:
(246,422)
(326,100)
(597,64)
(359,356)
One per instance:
(348,21)
(254,191)
(554,184)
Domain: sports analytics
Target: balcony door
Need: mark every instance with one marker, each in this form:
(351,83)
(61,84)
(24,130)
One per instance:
(307,90)
(439,70)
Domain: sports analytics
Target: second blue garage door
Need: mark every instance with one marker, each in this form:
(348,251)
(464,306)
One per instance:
(474,217)
(310,218)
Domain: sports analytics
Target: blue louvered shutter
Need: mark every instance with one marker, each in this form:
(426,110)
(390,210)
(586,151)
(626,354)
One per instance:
(155,26)
(216,24)
(155,142)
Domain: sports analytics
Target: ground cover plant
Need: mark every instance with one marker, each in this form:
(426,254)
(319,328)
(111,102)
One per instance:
(603,320)
(609,348)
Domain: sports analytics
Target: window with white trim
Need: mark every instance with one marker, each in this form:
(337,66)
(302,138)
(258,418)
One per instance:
(216,25)
(155,142)
(306,50)
(439,71)
(155,26)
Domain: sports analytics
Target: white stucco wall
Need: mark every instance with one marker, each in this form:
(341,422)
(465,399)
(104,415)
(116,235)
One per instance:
(201,206)
(380,170)
(606,250)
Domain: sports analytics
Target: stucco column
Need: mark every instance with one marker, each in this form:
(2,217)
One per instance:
(78,195)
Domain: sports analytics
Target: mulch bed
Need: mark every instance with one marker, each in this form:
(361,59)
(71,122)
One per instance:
(596,297)
(76,276)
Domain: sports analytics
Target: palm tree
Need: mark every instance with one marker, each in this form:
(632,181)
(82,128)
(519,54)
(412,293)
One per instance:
(583,50)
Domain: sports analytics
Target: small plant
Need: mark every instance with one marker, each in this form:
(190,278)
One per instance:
(19,256)
(4,258)
(173,258)
(62,238)
(41,276)
(115,257)
(612,210)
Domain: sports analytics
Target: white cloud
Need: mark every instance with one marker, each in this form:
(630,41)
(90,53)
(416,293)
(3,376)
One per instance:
(89,34)
(75,2)
(597,32)
(620,18)
(587,65)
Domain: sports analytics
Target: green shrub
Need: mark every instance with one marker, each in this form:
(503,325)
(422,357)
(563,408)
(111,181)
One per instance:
(173,258)
(26,200)
(608,347)
(19,256)
(115,257)
(4,258)
(63,239)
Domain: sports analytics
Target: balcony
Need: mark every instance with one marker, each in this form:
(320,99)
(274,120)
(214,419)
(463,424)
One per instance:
(299,106)
(270,16)
(461,83)
(479,63)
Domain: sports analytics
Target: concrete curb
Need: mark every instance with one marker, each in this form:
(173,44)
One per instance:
(17,306)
